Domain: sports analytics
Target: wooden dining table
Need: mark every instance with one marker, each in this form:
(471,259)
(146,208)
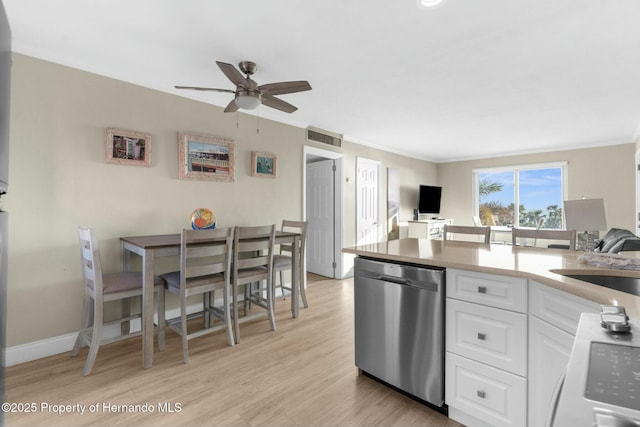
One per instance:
(153,246)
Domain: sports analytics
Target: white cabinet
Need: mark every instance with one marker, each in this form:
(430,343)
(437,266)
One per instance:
(486,349)
(488,289)
(489,335)
(553,321)
(491,396)
(428,229)
(508,341)
(558,308)
(549,352)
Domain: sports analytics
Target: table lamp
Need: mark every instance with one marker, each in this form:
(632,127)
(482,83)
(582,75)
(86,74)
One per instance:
(587,215)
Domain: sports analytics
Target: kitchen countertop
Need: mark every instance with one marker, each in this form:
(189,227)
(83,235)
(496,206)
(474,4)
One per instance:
(543,265)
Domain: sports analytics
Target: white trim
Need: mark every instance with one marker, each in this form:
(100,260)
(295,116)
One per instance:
(365,160)
(34,350)
(564,177)
(522,167)
(307,149)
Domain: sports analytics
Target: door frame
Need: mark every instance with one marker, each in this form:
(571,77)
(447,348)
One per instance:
(337,194)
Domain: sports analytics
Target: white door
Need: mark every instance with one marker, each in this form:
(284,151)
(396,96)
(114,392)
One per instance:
(366,201)
(320,217)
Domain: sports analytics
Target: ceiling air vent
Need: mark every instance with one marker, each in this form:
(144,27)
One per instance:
(324,137)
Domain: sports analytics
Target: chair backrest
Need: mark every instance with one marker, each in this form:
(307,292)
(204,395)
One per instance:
(484,231)
(296,227)
(90,260)
(252,248)
(205,252)
(528,233)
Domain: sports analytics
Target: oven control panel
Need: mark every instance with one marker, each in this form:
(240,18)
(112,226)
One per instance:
(614,375)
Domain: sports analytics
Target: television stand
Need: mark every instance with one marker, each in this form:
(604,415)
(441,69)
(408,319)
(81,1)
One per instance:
(428,228)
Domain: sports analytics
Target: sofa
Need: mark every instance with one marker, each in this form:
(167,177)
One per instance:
(618,240)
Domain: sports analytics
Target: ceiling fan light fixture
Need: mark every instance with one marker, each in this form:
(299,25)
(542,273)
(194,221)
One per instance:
(248,100)
(429,4)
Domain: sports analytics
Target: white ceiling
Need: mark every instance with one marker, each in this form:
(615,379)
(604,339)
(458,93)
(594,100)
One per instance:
(469,79)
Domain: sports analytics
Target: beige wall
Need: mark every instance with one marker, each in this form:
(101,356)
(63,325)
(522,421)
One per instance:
(59,180)
(603,172)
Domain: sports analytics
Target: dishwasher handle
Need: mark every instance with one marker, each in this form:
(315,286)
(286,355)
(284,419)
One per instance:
(427,286)
(393,279)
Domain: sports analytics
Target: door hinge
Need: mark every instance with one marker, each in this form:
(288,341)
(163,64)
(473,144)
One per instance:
(333,264)
(333,168)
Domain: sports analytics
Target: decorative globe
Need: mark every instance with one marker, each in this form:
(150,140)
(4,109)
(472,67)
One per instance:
(203,219)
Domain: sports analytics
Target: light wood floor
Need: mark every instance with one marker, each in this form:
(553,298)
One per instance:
(302,374)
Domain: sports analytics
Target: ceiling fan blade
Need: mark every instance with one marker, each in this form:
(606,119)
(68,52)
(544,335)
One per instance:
(232,107)
(278,104)
(286,87)
(205,89)
(233,74)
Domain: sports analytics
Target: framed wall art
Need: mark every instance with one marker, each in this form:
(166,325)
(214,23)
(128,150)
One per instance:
(127,147)
(205,157)
(263,164)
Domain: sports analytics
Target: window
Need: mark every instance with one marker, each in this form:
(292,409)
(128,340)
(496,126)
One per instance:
(537,190)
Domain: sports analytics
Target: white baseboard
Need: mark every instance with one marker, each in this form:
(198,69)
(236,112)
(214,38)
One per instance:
(64,343)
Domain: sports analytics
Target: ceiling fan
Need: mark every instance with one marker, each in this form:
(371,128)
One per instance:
(248,95)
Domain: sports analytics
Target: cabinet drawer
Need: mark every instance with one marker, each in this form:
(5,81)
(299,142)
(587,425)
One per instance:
(486,393)
(557,307)
(488,335)
(493,290)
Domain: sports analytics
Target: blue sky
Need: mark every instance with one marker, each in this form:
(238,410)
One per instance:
(539,188)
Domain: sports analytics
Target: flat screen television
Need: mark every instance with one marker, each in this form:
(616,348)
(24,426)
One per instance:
(429,199)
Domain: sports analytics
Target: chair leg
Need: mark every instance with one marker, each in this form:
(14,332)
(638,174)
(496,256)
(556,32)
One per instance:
(206,303)
(272,312)
(227,315)
(125,327)
(236,321)
(183,328)
(84,325)
(303,292)
(248,287)
(281,283)
(96,337)
(161,319)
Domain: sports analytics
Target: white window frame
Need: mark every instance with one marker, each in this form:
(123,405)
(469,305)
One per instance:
(515,169)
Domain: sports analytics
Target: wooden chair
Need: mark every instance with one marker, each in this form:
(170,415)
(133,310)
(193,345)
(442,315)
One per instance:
(253,262)
(528,233)
(100,288)
(283,262)
(484,231)
(205,266)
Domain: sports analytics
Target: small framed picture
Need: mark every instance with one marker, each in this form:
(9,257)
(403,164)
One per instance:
(206,157)
(263,164)
(127,147)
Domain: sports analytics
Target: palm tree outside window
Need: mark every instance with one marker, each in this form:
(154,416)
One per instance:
(537,190)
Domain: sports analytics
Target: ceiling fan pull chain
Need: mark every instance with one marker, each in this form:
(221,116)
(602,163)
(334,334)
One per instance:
(258,120)
(237,125)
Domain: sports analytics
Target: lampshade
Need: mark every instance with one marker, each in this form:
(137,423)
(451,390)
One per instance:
(585,215)
(248,100)
(428,4)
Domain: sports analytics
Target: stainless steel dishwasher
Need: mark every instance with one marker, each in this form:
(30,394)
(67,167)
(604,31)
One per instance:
(399,326)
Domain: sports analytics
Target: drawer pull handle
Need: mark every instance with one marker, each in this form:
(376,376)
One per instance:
(481,394)
(482,336)
(482,289)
